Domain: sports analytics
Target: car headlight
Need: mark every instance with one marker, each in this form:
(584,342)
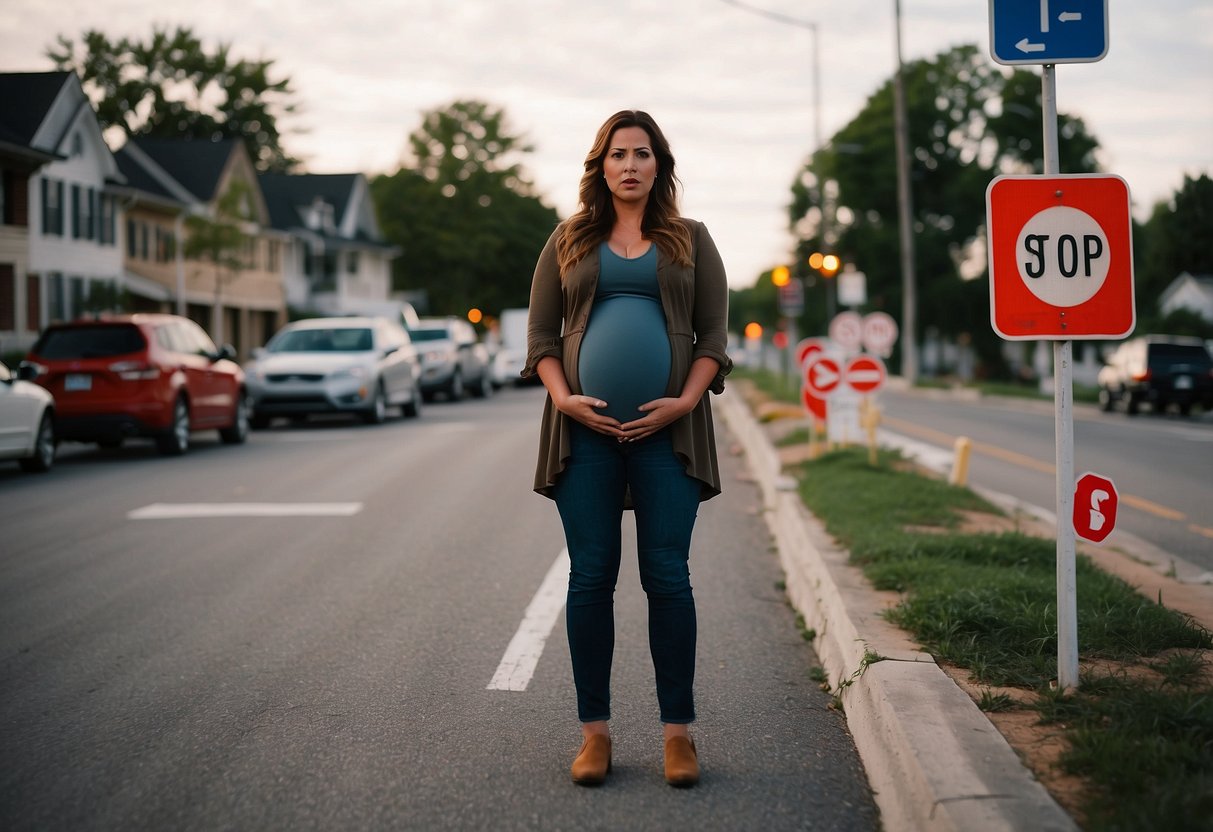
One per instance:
(357,372)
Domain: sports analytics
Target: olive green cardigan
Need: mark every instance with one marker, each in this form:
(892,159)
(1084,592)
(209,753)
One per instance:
(695,301)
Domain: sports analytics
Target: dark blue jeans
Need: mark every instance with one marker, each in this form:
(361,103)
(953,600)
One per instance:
(590,497)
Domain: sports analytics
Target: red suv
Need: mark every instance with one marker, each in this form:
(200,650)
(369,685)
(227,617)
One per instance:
(139,375)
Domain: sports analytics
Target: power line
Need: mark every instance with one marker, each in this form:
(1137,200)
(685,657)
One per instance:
(782,18)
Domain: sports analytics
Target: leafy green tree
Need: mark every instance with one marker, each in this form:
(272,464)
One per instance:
(219,239)
(1177,238)
(968,122)
(464,214)
(171,86)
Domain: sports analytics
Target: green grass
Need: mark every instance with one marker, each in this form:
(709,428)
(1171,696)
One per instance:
(774,385)
(987,602)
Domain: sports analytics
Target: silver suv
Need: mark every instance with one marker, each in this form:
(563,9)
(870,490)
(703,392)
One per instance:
(453,361)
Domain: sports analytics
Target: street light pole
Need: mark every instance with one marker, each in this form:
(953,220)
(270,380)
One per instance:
(909,300)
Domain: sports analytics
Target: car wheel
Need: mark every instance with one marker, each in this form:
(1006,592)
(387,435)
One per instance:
(378,412)
(237,432)
(43,456)
(412,408)
(1185,409)
(455,389)
(484,387)
(176,440)
(1132,404)
(1106,402)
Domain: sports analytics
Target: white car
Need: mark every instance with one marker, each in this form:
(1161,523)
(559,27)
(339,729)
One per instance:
(27,422)
(352,365)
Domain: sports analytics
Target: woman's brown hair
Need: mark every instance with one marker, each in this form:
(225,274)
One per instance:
(595,215)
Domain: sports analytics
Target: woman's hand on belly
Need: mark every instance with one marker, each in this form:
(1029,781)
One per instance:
(657,414)
(585,410)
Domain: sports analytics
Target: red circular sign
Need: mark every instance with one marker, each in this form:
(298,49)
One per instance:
(1095,502)
(1061,257)
(807,349)
(822,376)
(865,373)
(814,405)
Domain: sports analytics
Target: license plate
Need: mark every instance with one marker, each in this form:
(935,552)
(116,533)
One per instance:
(78,381)
(1183,382)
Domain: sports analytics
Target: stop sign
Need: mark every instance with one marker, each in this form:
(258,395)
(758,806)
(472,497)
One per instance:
(1095,502)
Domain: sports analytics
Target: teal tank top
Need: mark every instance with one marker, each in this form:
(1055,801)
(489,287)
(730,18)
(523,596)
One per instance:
(625,352)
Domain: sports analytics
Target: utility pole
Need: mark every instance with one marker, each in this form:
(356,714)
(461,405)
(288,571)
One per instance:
(905,214)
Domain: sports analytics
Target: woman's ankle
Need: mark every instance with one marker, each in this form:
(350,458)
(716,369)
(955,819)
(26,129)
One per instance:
(589,729)
(675,729)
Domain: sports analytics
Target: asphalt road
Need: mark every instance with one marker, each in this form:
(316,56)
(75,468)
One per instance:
(330,671)
(1162,465)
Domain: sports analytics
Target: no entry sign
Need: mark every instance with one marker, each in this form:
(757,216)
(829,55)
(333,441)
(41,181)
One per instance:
(865,373)
(1061,257)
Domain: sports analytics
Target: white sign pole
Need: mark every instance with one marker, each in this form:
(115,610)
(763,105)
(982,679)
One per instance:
(1063,399)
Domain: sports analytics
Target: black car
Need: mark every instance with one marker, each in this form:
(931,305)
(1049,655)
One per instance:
(1160,370)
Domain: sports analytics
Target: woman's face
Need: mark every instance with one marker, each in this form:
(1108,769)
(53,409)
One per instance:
(630,168)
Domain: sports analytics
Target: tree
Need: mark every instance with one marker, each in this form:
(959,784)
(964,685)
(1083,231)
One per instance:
(1175,239)
(968,122)
(170,86)
(464,214)
(220,239)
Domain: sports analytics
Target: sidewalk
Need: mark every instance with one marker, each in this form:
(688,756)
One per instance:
(934,761)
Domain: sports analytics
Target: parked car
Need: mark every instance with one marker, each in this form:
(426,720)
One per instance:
(145,374)
(1159,370)
(453,360)
(27,422)
(359,365)
(510,357)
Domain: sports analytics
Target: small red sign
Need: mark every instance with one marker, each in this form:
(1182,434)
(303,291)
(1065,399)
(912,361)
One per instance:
(807,349)
(815,406)
(822,376)
(865,373)
(1095,502)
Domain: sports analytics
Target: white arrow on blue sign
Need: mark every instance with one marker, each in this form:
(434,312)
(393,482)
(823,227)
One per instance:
(1048,31)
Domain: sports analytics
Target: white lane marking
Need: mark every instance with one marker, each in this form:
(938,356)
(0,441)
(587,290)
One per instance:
(175,511)
(518,664)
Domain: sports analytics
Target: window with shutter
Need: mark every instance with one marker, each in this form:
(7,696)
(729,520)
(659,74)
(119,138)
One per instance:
(76,218)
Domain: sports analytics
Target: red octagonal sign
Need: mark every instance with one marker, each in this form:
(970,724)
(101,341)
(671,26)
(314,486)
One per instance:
(1061,257)
(1095,502)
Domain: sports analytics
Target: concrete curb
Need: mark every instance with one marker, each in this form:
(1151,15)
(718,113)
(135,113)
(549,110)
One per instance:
(933,759)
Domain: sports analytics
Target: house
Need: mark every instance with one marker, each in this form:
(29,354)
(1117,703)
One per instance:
(336,261)
(175,186)
(1192,292)
(60,253)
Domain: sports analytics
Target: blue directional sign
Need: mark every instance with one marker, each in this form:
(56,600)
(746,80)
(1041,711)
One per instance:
(1048,31)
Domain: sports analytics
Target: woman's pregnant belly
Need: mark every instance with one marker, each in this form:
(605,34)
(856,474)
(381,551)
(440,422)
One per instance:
(625,355)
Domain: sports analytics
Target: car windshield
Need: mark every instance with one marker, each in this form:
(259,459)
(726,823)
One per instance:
(344,339)
(428,334)
(100,341)
(1179,354)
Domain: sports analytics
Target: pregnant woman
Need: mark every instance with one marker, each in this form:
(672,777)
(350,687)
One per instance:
(627,332)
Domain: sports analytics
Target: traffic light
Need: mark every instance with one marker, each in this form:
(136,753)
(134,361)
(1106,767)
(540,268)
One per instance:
(475,315)
(781,275)
(827,264)
(753,330)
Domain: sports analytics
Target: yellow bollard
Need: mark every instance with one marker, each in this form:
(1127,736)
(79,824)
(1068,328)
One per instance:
(960,463)
(870,418)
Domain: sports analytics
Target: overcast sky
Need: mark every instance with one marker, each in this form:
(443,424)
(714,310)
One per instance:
(733,90)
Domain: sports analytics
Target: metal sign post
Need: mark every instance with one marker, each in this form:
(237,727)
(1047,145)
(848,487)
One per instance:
(1044,33)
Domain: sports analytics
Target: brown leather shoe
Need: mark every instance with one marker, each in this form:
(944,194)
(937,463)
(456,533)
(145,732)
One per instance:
(593,761)
(681,762)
